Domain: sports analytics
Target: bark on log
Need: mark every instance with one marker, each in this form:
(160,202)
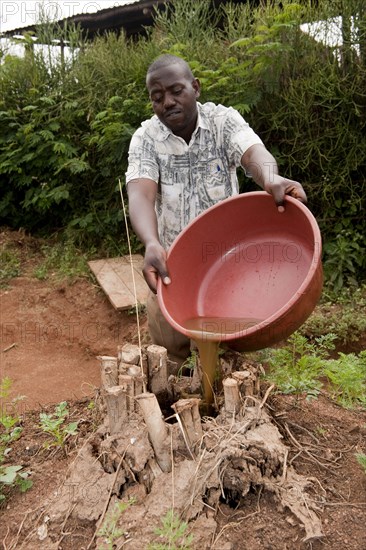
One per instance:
(127,384)
(109,371)
(157,429)
(232,396)
(188,411)
(116,402)
(157,357)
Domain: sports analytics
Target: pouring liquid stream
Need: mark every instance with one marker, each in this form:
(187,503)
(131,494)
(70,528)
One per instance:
(207,333)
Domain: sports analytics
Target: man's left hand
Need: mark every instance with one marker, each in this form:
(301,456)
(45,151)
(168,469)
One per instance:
(279,187)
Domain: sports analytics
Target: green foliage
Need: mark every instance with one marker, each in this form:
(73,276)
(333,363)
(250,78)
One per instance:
(9,264)
(361,459)
(297,367)
(65,124)
(173,533)
(110,531)
(62,259)
(54,424)
(301,367)
(336,315)
(347,376)
(10,431)
(344,258)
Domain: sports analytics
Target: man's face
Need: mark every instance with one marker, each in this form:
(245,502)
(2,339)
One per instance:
(173,93)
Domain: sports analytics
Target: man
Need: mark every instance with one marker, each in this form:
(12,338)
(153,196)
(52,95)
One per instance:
(182,161)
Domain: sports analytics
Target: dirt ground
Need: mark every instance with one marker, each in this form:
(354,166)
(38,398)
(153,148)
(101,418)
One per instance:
(51,336)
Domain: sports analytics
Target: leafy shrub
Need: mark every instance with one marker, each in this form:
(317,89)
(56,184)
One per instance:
(65,128)
(297,367)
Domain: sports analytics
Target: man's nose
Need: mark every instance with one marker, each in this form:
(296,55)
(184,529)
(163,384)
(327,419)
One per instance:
(169,101)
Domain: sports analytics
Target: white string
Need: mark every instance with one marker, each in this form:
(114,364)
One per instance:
(133,277)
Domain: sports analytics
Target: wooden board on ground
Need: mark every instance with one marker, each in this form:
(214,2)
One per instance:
(115,277)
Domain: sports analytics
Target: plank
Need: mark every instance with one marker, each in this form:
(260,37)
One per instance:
(115,278)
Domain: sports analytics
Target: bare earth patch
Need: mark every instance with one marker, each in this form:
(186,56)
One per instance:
(51,335)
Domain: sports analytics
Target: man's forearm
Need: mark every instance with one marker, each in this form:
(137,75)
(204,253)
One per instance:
(261,164)
(143,220)
(141,204)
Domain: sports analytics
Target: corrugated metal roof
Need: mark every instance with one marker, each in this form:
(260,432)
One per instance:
(132,15)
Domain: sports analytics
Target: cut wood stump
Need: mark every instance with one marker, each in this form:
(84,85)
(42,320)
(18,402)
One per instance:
(239,450)
(188,412)
(157,428)
(109,371)
(157,358)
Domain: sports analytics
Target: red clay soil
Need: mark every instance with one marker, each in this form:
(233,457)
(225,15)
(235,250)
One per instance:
(51,336)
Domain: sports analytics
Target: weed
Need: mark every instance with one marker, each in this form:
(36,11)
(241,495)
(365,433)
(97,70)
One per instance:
(11,476)
(109,529)
(361,459)
(62,260)
(141,309)
(190,363)
(347,376)
(297,367)
(173,534)
(321,431)
(300,365)
(54,424)
(337,315)
(9,265)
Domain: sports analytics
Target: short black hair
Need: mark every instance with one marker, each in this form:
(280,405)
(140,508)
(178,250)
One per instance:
(168,59)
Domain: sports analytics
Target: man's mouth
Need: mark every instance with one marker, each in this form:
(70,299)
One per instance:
(173,114)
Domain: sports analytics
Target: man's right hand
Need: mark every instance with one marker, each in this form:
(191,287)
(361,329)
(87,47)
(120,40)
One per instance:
(142,196)
(155,265)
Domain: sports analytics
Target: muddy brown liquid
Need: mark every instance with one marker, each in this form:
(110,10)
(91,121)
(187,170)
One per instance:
(207,332)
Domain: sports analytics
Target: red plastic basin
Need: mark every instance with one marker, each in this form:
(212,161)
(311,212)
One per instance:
(252,273)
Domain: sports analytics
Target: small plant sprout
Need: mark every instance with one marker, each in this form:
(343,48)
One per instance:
(110,531)
(54,424)
(173,534)
(361,459)
(10,476)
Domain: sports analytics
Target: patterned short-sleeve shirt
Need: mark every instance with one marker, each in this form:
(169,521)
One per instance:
(190,177)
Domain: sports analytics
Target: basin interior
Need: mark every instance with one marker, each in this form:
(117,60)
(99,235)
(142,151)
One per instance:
(241,263)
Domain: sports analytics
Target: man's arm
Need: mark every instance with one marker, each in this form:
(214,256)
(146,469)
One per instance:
(141,202)
(263,167)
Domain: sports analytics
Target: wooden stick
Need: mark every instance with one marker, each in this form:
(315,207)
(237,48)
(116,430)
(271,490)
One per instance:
(116,401)
(188,411)
(157,357)
(158,430)
(109,371)
(232,396)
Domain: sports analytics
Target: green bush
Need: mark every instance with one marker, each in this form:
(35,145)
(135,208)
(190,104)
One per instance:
(65,128)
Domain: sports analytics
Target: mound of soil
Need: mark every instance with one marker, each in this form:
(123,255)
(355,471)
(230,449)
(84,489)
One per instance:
(51,336)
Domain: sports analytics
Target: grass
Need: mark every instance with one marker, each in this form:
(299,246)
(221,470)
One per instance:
(9,264)
(63,261)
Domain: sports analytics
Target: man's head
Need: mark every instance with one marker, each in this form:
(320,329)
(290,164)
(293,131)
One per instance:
(173,91)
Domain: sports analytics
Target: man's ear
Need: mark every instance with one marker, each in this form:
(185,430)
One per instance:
(196,86)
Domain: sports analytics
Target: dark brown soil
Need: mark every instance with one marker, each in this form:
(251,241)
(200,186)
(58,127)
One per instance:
(51,335)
